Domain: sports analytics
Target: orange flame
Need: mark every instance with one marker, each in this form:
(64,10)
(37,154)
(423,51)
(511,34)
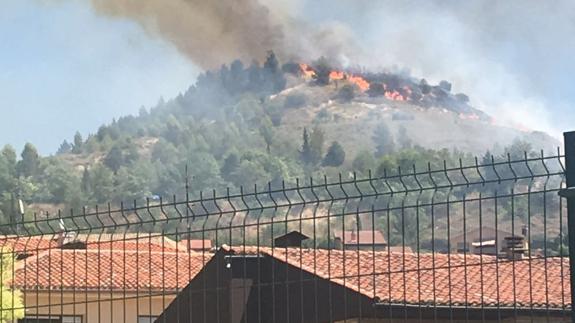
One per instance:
(359,81)
(394,95)
(336,75)
(306,70)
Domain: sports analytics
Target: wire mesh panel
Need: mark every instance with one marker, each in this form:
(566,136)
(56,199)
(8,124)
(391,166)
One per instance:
(478,241)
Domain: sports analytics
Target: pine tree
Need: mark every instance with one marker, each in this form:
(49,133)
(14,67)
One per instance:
(78,142)
(335,155)
(306,153)
(30,160)
(86,181)
(65,148)
(273,74)
(9,155)
(316,142)
(231,163)
(114,159)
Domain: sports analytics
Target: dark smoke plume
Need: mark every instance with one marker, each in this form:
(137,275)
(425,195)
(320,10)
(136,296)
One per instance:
(211,33)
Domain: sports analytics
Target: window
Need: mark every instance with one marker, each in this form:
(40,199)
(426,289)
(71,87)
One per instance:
(147,319)
(51,319)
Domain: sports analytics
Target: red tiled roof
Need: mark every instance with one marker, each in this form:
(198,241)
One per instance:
(27,244)
(437,279)
(130,241)
(360,237)
(128,270)
(143,244)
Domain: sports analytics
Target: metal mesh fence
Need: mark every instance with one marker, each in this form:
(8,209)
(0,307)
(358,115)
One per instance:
(482,241)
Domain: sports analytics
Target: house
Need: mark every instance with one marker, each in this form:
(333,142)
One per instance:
(484,240)
(100,278)
(259,284)
(362,240)
(291,239)
(485,247)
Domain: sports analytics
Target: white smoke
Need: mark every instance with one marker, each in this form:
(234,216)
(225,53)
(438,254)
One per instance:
(506,55)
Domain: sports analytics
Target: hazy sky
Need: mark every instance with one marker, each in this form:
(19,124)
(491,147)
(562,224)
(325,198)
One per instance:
(64,67)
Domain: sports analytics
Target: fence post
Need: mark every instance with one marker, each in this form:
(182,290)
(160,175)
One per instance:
(570,176)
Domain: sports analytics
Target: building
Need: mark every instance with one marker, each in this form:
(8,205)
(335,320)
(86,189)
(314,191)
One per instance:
(258,284)
(362,240)
(484,240)
(291,239)
(100,278)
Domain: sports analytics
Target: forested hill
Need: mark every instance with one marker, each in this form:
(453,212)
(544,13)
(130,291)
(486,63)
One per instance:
(242,125)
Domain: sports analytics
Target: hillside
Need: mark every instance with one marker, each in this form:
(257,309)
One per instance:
(242,125)
(353,123)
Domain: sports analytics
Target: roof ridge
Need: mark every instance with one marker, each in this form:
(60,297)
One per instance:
(121,251)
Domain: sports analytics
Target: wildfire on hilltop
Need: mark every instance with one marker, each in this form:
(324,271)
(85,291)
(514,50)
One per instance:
(396,87)
(363,85)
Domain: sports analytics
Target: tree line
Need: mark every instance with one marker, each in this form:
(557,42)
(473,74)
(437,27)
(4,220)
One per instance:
(222,132)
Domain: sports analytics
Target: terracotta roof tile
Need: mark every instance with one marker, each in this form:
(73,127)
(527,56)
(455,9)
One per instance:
(437,279)
(28,244)
(129,241)
(108,270)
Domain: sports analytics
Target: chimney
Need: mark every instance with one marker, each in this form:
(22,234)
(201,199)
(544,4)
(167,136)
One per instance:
(514,247)
(67,240)
(525,231)
(60,238)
